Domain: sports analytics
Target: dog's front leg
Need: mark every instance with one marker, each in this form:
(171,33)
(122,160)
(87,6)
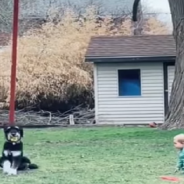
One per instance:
(16,160)
(6,164)
(6,167)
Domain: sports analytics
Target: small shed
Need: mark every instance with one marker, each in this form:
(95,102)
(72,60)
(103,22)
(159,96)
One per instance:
(133,77)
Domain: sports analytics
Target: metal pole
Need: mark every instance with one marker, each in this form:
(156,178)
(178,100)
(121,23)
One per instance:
(14,63)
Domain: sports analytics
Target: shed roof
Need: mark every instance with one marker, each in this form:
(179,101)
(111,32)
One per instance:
(131,47)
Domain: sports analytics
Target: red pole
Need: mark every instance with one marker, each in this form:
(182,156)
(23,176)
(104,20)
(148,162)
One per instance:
(14,63)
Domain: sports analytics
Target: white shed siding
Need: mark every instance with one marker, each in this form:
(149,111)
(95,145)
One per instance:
(170,71)
(112,109)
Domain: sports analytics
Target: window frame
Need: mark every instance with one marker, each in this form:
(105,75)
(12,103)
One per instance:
(140,77)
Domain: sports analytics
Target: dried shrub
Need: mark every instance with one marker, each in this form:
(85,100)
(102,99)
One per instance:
(153,26)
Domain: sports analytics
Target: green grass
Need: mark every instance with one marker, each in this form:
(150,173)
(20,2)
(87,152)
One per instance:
(97,156)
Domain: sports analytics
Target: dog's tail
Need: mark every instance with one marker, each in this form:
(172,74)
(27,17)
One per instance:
(33,166)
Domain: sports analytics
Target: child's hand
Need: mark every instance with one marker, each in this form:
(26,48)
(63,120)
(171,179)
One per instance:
(176,170)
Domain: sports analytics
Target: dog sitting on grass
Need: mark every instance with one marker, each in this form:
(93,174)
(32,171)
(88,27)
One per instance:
(12,158)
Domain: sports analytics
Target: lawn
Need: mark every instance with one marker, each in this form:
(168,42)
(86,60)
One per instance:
(97,156)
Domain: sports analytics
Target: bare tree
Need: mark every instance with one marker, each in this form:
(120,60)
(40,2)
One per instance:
(35,12)
(6,13)
(175,116)
(6,8)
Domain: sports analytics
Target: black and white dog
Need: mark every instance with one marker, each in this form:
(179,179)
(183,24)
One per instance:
(12,158)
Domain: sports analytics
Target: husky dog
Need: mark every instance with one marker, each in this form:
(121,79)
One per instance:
(12,158)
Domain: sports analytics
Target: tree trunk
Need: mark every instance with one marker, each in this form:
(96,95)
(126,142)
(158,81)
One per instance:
(175,116)
(137,17)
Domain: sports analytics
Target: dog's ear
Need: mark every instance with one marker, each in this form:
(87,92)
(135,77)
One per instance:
(6,128)
(20,129)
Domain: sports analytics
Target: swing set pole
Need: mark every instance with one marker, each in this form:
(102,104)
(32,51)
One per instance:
(14,63)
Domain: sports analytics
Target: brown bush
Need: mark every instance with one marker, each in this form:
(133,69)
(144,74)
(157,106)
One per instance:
(51,70)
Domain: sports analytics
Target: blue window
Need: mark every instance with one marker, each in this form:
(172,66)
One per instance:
(129,82)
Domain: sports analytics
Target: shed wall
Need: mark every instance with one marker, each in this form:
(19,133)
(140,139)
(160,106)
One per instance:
(114,109)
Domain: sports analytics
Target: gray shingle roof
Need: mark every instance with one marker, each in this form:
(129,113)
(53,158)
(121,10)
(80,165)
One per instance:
(131,46)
